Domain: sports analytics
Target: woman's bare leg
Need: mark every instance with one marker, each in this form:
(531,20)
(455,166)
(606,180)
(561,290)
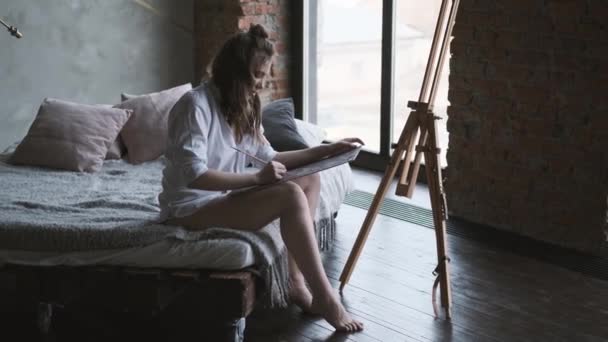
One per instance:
(299,293)
(252,210)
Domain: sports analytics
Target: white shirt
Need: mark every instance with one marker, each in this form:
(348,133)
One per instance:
(199,139)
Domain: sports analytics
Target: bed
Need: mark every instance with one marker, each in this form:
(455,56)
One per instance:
(91,240)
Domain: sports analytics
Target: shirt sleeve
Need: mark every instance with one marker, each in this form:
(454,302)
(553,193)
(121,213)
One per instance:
(264,150)
(188,131)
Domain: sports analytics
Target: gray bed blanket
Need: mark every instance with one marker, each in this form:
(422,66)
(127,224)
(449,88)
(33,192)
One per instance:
(51,210)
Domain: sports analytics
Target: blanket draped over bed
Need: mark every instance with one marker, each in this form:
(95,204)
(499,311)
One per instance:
(117,207)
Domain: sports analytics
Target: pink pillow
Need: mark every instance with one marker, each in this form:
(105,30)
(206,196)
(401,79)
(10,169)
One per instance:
(145,134)
(117,149)
(70,136)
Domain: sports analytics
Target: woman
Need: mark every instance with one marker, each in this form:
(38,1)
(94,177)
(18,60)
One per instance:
(203,168)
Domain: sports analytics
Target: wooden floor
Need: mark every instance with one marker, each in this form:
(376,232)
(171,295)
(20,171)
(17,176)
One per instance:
(497,296)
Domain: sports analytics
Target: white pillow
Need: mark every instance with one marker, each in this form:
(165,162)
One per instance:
(313,134)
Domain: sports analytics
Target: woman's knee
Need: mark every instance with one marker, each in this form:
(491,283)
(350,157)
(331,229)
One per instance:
(312,181)
(315,180)
(292,194)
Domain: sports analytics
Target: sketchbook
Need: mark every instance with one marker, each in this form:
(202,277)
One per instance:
(316,166)
(320,165)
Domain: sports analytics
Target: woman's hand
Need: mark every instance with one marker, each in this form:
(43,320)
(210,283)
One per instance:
(343,145)
(272,172)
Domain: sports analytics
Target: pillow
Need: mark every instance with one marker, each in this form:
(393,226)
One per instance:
(124,97)
(313,134)
(145,134)
(280,127)
(117,149)
(70,136)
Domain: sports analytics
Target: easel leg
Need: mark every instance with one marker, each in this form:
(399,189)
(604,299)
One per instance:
(433,173)
(442,269)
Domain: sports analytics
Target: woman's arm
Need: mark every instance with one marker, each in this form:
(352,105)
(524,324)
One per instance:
(293,159)
(214,180)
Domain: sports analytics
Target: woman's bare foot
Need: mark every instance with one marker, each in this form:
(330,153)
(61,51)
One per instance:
(335,314)
(300,296)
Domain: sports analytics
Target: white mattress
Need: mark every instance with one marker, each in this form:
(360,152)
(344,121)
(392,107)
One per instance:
(229,254)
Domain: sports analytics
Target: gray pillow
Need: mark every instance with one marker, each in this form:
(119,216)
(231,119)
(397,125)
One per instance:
(280,126)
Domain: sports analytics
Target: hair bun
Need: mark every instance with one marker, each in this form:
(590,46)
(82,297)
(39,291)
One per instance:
(258,31)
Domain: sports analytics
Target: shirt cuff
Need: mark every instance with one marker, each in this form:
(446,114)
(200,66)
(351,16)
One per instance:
(193,171)
(266,152)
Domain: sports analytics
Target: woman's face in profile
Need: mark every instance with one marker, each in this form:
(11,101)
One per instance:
(260,69)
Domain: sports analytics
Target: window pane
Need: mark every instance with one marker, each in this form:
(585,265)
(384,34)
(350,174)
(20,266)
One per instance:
(415,25)
(348,65)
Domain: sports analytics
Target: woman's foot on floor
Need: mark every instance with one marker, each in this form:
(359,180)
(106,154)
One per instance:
(335,314)
(301,296)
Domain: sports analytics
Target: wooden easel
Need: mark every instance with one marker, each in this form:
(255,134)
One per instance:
(420,119)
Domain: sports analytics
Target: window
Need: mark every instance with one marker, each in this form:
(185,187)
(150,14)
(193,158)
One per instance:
(345,99)
(363,61)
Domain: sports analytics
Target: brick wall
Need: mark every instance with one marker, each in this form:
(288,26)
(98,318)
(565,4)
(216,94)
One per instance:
(528,120)
(216,20)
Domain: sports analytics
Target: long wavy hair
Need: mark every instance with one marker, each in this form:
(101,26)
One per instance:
(233,76)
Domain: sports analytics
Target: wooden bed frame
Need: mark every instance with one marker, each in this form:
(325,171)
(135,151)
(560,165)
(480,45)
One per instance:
(179,304)
(203,303)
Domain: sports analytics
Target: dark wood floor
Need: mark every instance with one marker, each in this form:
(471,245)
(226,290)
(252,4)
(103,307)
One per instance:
(497,296)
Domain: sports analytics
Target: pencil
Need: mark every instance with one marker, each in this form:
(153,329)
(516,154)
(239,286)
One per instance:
(247,154)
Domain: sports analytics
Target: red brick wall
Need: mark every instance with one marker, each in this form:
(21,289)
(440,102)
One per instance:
(216,20)
(528,120)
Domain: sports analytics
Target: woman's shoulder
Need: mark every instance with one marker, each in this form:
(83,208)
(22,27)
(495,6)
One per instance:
(196,98)
(195,95)
(193,106)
